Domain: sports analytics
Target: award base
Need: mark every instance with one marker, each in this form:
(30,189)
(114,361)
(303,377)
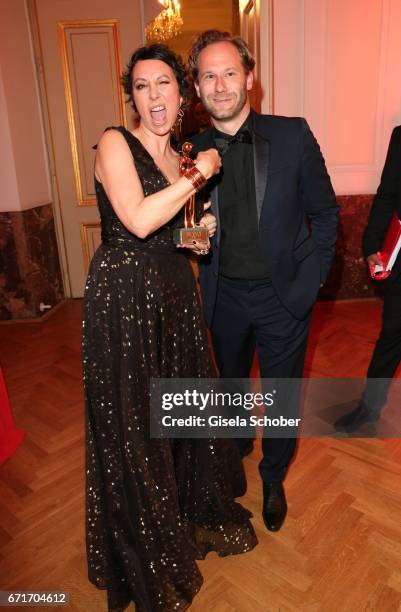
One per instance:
(186,235)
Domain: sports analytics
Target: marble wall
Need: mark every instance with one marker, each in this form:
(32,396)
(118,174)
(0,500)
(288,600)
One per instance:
(29,263)
(349,277)
(30,269)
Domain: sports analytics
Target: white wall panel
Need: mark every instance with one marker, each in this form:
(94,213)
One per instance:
(338,64)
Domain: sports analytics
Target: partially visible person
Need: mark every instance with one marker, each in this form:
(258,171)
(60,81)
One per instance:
(202,117)
(201,123)
(154,506)
(387,353)
(277,220)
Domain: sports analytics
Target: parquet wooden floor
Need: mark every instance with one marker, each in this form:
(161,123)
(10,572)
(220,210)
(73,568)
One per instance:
(339,550)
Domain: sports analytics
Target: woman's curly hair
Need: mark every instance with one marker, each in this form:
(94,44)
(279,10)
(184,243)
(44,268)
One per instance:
(156,52)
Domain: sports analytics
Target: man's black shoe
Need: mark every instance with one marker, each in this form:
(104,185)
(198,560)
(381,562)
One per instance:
(354,420)
(274,505)
(247,449)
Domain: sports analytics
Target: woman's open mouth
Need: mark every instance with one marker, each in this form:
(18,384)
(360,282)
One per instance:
(158,114)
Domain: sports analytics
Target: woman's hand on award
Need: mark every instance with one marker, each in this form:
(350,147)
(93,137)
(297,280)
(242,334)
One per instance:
(208,162)
(200,247)
(197,247)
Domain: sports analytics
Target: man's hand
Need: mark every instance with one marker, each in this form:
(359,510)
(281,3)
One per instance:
(374,260)
(209,220)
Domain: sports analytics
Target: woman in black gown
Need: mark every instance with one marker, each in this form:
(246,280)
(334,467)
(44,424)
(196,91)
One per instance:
(154,506)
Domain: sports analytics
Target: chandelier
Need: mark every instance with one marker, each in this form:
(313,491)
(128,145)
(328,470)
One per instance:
(167,24)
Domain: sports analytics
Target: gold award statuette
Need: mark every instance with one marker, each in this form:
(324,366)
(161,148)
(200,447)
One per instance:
(191,230)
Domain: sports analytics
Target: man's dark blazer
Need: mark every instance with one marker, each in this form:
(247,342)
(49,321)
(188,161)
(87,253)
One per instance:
(297,212)
(387,200)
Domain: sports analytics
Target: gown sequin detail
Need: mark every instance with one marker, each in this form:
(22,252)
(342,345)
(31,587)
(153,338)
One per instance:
(153,506)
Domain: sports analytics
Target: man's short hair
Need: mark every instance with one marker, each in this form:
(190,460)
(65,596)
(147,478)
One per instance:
(213,36)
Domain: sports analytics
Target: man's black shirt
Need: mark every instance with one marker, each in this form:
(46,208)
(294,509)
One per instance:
(240,251)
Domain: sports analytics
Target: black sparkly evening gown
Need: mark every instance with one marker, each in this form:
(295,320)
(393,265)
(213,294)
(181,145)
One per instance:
(154,506)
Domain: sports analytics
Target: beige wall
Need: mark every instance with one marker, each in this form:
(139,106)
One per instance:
(24,170)
(150,8)
(338,64)
(84,47)
(9,198)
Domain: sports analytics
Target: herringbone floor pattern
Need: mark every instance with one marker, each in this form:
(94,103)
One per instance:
(339,550)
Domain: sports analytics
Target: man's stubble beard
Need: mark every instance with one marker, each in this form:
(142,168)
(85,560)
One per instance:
(232,113)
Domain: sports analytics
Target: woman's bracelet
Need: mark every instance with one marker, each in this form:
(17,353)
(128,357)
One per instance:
(196,177)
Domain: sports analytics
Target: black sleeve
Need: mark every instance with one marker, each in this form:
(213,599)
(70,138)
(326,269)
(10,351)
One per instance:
(385,200)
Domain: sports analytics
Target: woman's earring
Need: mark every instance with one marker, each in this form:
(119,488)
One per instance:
(176,128)
(180,117)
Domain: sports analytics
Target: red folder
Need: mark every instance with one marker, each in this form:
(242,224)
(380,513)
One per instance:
(10,436)
(389,251)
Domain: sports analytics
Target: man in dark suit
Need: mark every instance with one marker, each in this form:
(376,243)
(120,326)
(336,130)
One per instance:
(277,219)
(387,353)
